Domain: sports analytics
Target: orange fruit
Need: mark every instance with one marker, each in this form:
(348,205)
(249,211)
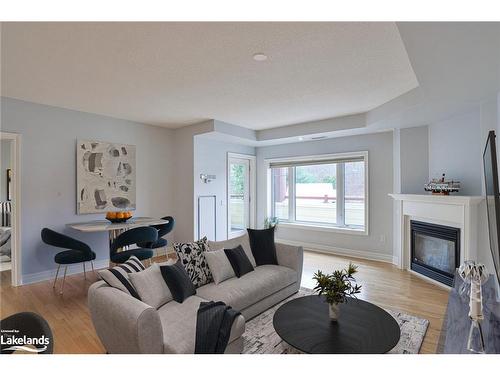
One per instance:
(129,214)
(111,215)
(120,215)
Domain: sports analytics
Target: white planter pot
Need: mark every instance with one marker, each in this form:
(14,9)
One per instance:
(334,311)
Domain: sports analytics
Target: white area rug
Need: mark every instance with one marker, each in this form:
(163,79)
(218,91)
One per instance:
(261,338)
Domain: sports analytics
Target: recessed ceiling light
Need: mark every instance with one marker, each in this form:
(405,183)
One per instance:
(260,57)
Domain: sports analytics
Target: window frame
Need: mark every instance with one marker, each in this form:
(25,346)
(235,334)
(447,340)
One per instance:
(339,228)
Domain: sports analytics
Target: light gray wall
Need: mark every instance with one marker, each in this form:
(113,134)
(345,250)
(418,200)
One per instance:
(455,148)
(48,179)
(379,147)
(414,159)
(5,164)
(183,181)
(210,157)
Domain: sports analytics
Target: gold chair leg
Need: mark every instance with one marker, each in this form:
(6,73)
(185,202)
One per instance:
(57,273)
(84,272)
(64,278)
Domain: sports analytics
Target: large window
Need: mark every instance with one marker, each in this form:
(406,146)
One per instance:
(326,191)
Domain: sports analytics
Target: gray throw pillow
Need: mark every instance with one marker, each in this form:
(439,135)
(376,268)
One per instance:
(219,265)
(151,286)
(234,242)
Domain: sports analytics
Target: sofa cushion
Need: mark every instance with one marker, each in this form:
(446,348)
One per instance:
(151,286)
(232,243)
(262,245)
(179,325)
(219,265)
(178,281)
(250,288)
(239,261)
(193,259)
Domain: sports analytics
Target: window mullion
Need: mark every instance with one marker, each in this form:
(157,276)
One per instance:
(340,194)
(273,195)
(291,199)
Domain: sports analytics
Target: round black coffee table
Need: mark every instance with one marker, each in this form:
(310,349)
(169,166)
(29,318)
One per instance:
(362,327)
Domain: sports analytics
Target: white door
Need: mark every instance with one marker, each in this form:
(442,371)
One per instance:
(239,191)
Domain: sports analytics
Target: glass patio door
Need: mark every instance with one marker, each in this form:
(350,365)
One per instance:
(238,196)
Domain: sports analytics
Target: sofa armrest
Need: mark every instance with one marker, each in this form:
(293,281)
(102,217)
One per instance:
(123,323)
(291,257)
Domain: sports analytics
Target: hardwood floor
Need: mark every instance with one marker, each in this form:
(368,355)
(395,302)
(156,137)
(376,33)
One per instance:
(69,317)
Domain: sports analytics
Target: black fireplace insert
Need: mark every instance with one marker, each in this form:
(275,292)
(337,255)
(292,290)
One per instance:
(435,250)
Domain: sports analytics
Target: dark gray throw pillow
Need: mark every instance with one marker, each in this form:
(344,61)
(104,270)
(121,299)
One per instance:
(239,261)
(178,281)
(262,245)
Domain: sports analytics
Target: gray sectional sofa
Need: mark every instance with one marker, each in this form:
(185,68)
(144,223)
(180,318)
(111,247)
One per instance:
(127,325)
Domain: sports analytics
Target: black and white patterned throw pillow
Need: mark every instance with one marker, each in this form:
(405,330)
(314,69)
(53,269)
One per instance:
(117,277)
(192,258)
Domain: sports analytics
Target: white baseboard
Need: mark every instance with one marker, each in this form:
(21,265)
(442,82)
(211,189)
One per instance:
(387,258)
(72,269)
(395,260)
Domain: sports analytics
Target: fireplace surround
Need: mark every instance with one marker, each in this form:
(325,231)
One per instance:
(435,250)
(455,211)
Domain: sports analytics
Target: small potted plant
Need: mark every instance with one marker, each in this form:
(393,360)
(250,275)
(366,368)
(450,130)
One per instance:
(337,287)
(270,222)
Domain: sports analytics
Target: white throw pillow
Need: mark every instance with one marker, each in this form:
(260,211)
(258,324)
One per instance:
(151,286)
(219,265)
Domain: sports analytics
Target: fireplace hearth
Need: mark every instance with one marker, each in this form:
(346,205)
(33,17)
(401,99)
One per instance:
(435,250)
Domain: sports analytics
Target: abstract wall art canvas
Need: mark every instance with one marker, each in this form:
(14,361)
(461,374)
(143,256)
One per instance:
(106,177)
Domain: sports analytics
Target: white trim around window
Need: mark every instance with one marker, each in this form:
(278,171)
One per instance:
(321,159)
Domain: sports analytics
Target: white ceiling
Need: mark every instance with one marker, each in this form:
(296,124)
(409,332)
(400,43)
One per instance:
(175,74)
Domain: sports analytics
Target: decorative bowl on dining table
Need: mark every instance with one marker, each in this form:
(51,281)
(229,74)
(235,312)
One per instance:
(118,217)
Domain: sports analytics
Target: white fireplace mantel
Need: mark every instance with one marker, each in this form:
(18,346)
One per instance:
(452,210)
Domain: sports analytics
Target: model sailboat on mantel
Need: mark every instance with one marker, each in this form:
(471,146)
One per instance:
(442,187)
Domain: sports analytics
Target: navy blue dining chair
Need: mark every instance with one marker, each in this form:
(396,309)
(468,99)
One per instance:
(77,252)
(163,230)
(146,235)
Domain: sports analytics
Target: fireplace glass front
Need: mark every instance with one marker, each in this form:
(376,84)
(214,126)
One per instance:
(435,250)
